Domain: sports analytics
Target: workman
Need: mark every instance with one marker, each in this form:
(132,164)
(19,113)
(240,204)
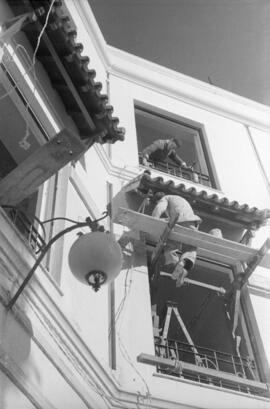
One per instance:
(161,150)
(178,261)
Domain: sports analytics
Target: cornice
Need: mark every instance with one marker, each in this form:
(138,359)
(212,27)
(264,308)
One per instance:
(171,83)
(124,173)
(128,173)
(189,90)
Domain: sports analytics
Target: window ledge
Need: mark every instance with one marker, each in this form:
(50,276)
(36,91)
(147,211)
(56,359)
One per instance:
(181,368)
(189,183)
(208,386)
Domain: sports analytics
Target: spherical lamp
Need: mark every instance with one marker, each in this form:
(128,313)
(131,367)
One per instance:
(95,258)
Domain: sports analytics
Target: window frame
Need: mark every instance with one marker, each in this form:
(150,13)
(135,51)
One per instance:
(187,122)
(249,327)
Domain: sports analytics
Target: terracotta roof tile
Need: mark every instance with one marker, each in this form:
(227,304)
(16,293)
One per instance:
(202,200)
(60,37)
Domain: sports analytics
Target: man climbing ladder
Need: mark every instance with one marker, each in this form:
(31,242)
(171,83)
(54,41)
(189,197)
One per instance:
(182,258)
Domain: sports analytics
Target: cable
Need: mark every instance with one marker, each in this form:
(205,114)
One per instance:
(59,218)
(42,31)
(122,348)
(126,356)
(122,302)
(32,61)
(126,292)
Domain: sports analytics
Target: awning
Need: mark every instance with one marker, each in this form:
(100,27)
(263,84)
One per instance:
(202,201)
(68,71)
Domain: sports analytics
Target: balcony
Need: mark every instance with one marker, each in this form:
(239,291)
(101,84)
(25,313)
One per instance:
(208,366)
(170,169)
(27,228)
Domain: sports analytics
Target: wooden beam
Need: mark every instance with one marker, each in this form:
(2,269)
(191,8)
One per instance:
(162,241)
(236,309)
(69,82)
(40,166)
(181,366)
(220,290)
(208,246)
(256,261)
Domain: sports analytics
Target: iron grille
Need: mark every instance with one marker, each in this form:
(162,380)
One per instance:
(243,367)
(27,228)
(171,169)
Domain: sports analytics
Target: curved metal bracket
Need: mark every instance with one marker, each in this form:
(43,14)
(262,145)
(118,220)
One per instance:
(93,225)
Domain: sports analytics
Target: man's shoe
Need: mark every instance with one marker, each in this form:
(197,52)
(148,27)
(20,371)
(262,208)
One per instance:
(177,272)
(181,280)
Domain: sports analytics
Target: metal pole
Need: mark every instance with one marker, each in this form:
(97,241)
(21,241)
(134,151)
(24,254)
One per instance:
(112,333)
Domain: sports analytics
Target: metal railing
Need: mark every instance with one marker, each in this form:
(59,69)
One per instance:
(177,171)
(27,228)
(243,367)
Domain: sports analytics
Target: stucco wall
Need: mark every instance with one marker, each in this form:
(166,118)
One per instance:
(70,322)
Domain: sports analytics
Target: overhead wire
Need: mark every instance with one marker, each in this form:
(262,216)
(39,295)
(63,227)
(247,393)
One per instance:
(122,348)
(32,60)
(128,359)
(24,141)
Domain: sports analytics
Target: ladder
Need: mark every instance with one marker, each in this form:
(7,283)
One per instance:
(173,307)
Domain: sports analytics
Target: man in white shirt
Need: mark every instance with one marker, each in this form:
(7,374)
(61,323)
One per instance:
(178,261)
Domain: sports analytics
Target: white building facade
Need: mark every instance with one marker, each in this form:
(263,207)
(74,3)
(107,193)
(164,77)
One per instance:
(64,345)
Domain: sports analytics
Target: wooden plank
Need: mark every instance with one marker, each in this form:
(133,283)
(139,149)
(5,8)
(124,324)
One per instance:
(236,309)
(185,366)
(220,290)
(211,247)
(162,241)
(256,261)
(40,166)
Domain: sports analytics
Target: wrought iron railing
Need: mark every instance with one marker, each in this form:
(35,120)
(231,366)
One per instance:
(243,367)
(27,228)
(177,171)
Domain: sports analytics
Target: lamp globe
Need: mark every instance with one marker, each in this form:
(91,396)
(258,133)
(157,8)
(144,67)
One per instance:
(95,258)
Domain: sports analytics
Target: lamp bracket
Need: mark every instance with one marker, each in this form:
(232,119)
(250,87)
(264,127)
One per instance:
(93,224)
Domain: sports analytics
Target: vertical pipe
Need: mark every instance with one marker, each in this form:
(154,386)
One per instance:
(259,161)
(52,215)
(112,329)
(108,91)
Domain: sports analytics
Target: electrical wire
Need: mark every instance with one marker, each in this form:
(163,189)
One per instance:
(59,218)
(33,60)
(122,302)
(127,358)
(41,32)
(127,288)
(123,350)
(126,293)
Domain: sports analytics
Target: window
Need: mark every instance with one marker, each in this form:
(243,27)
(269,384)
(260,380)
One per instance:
(24,217)
(193,150)
(204,327)
(203,337)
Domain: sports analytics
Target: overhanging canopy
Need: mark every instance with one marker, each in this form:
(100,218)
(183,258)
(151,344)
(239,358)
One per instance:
(201,201)
(68,70)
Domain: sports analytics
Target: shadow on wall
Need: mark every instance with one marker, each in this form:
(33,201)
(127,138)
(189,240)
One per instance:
(15,350)
(128,240)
